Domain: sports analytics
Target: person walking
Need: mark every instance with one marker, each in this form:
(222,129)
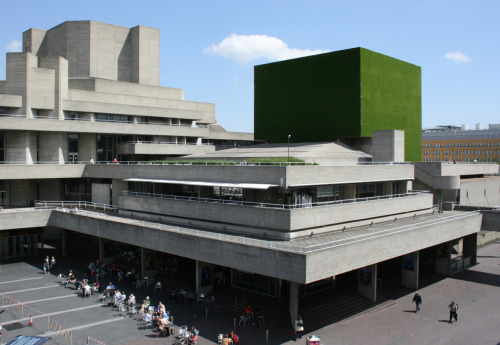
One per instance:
(53,265)
(299,328)
(453,311)
(418,301)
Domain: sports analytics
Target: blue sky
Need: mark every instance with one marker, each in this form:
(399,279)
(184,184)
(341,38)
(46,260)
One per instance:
(209,48)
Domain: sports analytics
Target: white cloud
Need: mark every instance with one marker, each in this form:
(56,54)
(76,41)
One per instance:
(14,46)
(457,56)
(246,48)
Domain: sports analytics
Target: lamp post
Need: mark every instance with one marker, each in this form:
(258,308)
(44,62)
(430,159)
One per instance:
(289,135)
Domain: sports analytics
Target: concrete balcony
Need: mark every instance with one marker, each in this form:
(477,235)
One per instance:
(55,125)
(11,101)
(23,218)
(20,171)
(280,218)
(157,148)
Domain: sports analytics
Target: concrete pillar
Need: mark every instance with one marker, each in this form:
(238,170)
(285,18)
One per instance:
(21,192)
(367,282)
(117,188)
(387,188)
(197,271)
(87,147)
(143,263)
(101,249)
(21,147)
(439,200)
(294,301)
(64,244)
(470,249)
(53,147)
(60,66)
(410,268)
(203,192)
(443,258)
(350,191)
(18,79)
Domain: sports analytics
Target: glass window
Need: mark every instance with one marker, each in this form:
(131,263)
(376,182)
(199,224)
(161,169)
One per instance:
(468,145)
(467,160)
(478,152)
(447,145)
(446,153)
(479,144)
(427,153)
(456,152)
(436,160)
(438,146)
(457,160)
(426,160)
(491,144)
(489,152)
(467,152)
(437,153)
(458,145)
(428,146)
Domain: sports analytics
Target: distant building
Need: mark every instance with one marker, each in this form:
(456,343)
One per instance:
(459,144)
(347,93)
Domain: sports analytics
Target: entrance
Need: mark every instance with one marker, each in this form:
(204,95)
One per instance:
(20,243)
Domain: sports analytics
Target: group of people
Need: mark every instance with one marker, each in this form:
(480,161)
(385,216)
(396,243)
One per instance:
(49,265)
(229,338)
(417,299)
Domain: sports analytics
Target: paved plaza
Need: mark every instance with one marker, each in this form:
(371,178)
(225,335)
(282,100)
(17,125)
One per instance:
(476,291)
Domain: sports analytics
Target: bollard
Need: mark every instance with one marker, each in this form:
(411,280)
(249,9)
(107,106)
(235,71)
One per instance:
(267,335)
(31,321)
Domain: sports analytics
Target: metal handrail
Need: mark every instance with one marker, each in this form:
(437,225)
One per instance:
(165,143)
(69,205)
(271,205)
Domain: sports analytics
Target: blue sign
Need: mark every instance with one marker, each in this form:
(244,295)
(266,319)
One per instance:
(28,340)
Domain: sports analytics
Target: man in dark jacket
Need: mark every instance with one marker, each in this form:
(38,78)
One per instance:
(418,301)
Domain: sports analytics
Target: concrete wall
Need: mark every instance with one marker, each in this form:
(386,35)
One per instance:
(388,146)
(341,259)
(277,219)
(53,147)
(20,146)
(87,147)
(40,171)
(50,189)
(21,192)
(163,149)
(480,192)
(11,219)
(101,193)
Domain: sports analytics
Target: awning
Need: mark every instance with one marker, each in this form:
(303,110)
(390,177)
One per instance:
(206,184)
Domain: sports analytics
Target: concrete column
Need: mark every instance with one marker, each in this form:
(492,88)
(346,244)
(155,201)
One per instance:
(101,249)
(64,242)
(117,188)
(367,282)
(387,188)
(197,271)
(87,147)
(18,79)
(21,192)
(410,268)
(294,301)
(439,200)
(443,258)
(53,147)
(470,248)
(143,263)
(21,147)
(60,66)
(350,191)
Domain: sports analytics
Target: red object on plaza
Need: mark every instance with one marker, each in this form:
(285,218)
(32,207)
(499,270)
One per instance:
(313,340)
(31,321)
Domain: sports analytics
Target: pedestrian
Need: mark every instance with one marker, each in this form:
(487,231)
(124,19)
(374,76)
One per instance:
(418,301)
(453,311)
(46,265)
(53,265)
(299,328)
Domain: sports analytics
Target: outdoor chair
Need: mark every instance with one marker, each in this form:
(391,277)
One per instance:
(243,320)
(158,286)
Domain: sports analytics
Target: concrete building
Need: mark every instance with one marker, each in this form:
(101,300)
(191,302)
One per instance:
(461,144)
(280,220)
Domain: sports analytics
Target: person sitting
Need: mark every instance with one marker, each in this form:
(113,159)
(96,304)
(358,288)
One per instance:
(71,278)
(116,297)
(86,289)
(248,311)
(96,287)
(226,340)
(161,309)
(193,335)
(233,337)
(123,297)
(145,305)
(148,318)
(131,300)
(163,324)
